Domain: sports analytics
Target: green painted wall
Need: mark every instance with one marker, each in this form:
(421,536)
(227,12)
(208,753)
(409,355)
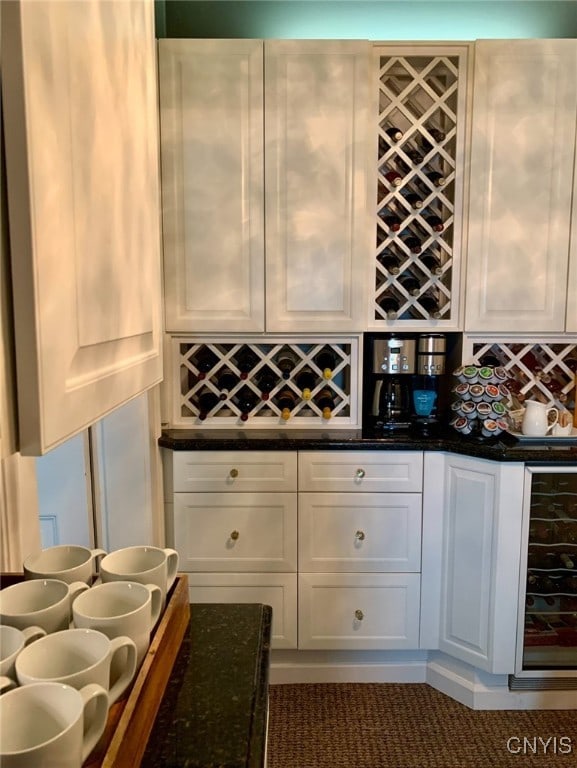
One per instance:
(368,19)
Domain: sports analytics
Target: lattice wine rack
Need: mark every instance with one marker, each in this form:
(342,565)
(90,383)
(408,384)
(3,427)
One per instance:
(538,371)
(223,382)
(419,188)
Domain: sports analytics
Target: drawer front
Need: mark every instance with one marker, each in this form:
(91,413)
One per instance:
(236,532)
(360,532)
(359,611)
(234,471)
(278,590)
(361,471)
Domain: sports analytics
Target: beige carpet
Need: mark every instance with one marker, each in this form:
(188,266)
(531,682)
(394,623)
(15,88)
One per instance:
(409,726)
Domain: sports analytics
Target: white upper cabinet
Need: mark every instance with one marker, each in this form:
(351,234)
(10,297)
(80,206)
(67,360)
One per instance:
(80,113)
(211,111)
(316,131)
(522,165)
(263,149)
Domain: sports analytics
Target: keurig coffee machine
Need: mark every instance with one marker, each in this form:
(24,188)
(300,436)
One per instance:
(392,370)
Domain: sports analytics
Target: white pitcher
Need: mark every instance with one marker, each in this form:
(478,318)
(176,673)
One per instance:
(536,418)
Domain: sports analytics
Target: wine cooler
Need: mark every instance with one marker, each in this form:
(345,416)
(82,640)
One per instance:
(547,629)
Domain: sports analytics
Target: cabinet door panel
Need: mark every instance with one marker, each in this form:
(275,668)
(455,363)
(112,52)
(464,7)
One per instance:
(376,471)
(316,123)
(211,108)
(80,109)
(523,142)
(234,471)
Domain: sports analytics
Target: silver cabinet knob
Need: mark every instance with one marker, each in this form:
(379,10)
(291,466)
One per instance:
(234,535)
(359,615)
(233,472)
(360,473)
(360,535)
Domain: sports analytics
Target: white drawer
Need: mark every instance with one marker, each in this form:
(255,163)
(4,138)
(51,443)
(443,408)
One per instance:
(359,611)
(360,532)
(374,471)
(236,532)
(234,471)
(278,590)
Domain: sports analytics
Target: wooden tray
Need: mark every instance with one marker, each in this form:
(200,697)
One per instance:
(130,719)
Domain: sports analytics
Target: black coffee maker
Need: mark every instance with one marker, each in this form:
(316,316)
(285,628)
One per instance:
(392,371)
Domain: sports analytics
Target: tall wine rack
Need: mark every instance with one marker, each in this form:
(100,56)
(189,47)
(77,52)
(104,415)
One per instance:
(226,382)
(419,185)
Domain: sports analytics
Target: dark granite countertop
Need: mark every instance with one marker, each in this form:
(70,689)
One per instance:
(504,448)
(214,710)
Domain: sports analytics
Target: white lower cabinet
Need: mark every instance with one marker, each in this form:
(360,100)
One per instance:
(359,550)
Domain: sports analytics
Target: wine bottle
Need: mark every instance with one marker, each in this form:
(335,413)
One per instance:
(286,362)
(326,361)
(432,263)
(394,178)
(225,382)
(414,156)
(246,401)
(414,200)
(393,222)
(205,360)
(266,382)
(413,243)
(436,178)
(394,133)
(206,401)
(286,401)
(411,285)
(305,381)
(431,305)
(390,306)
(436,133)
(567,560)
(435,222)
(390,262)
(246,360)
(325,401)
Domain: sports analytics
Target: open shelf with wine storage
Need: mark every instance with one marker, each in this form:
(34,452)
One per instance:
(225,382)
(419,185)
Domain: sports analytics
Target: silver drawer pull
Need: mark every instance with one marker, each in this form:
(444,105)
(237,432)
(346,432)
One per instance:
(233,472)
(359,615)
(360,535)
(234,535)
(360,473)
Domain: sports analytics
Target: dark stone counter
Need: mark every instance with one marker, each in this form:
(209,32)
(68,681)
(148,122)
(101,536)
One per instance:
(214,710)
(504,448)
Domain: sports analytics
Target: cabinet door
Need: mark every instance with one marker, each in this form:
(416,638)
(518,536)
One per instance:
(317,234)
(571,319)
(481,556)
(366,471)
(80,113)
(211,112)
(523,144)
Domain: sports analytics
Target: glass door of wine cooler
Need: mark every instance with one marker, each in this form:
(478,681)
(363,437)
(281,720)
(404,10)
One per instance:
(547,632)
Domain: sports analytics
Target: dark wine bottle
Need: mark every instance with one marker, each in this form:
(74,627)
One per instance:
(204,360)
(435,222)
(432,263)
(413,243)
(430,305)
(414,156)
(389,305)
(246,360)
(394,133)
(246,401)
(286,362)
(326,361)
(414,200)
(326,402)
(206,401)
(411,285)
(305,381)
(390,262)
(286,401)
(436,178)
(394,178)
(266,382)
(392,221)
(225,382)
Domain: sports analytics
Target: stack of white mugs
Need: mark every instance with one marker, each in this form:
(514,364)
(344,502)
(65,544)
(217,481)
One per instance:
(73,635)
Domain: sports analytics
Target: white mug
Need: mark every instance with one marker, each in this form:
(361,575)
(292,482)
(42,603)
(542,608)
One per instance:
(44,725)
(45,603)
(79,657)
(536,419)
(121,608)
(7,683)
(12,641)
(143,564)
(65,562)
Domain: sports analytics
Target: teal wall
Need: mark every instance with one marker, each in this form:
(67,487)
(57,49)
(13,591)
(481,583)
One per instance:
(368,19)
